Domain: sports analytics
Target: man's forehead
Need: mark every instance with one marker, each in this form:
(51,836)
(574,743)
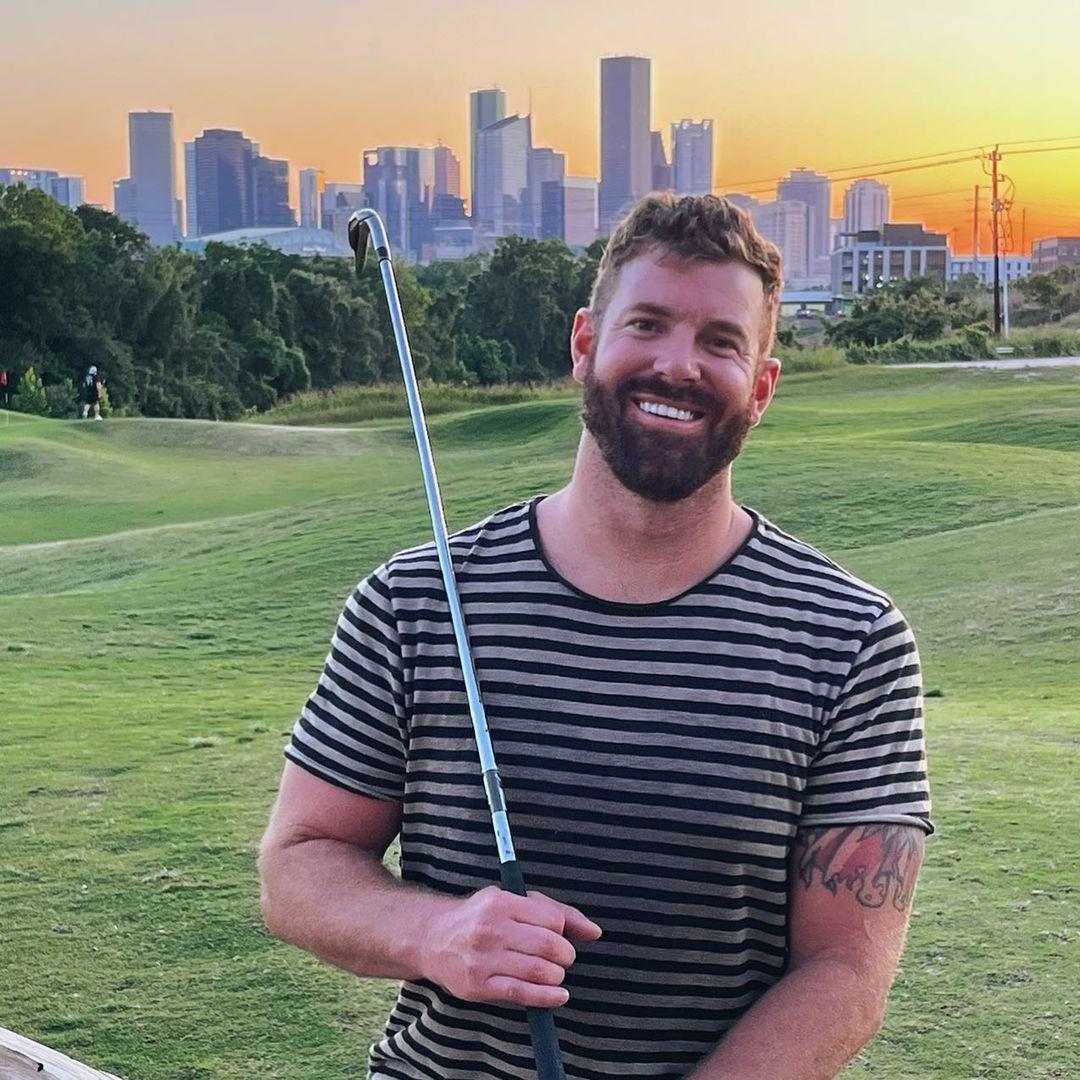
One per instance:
(697,288)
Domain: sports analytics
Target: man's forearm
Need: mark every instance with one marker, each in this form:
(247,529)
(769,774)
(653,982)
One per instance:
(807,1027)
(341,904)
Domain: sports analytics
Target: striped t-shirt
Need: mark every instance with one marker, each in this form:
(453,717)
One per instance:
(657,760)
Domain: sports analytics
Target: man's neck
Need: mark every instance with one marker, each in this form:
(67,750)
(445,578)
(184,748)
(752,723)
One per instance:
(616,545)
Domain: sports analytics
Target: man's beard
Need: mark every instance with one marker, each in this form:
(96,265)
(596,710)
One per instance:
(662,466)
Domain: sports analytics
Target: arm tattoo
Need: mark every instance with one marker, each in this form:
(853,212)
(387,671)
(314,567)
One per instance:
(875,862)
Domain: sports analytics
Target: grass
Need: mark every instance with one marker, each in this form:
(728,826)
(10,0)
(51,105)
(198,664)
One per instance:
(158,639)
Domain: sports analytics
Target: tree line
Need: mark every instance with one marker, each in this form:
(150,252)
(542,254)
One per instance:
(236,329)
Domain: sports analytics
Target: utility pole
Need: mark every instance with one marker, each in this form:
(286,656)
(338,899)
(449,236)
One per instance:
(995,207)
(975,235)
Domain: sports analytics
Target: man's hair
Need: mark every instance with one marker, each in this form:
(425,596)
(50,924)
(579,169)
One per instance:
(705,227)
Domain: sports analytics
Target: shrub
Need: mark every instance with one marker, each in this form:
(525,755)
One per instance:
(30,395)
(63,399)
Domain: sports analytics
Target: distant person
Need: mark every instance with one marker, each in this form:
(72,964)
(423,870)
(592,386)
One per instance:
(4,392)
(91,393)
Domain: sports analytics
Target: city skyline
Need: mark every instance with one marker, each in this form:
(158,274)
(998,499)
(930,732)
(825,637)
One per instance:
(841,87)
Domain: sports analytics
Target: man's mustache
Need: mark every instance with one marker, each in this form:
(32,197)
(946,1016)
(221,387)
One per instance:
(695,398)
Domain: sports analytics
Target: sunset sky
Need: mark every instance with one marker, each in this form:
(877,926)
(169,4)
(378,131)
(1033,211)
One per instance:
(825,84)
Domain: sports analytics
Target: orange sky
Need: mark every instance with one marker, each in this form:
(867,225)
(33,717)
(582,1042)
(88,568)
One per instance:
(826,85)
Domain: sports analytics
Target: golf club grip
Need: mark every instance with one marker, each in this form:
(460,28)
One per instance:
(545,1040)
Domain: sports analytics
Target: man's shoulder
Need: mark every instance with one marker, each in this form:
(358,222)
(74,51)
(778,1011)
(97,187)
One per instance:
(512,525)
(785,564)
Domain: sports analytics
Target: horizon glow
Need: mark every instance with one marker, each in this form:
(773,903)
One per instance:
(824,86)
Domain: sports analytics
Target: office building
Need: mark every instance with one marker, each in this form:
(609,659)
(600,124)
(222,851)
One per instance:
(271,184)
(661,168)
(1010,267)
(147,196)
(447,172)
(399,182)
(546,167)
(580,210)
(625,136)
(68,191)
(222,165)
(692,157)
(1051,252)
(866,207)
(744,202)
(486,107)
(876,256)
(813,191)
(784,224)
(339,202)
(501,204)
(312,186)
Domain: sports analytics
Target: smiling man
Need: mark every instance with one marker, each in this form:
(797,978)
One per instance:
(710,734)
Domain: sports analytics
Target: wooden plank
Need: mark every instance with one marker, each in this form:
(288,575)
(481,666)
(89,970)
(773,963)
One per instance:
(24,1059)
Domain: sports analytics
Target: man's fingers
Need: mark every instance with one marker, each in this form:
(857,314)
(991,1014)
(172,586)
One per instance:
(565,920)
(544,943)
(503,989)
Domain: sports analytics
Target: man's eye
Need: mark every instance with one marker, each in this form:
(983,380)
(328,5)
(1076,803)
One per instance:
(724,344)
(644,324)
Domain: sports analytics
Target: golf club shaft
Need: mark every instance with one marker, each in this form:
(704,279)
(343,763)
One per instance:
(541,1021)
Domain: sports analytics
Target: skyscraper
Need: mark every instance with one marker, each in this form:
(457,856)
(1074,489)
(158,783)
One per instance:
(271,208)
(866,206)
(339,203)
(661,169)
(147,197)
(191,192)
(580,204)
(784,223)
(223,164)
(813,191)
(692,157)
(546,166)
(447,172)
(399,182)
(312,185)
(486,107)
(501,188)
(625,136)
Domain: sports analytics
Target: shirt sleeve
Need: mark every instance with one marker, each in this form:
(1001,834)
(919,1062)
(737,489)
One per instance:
(352,730)
(870,765)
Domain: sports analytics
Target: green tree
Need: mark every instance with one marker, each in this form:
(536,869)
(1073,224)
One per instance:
(30,396)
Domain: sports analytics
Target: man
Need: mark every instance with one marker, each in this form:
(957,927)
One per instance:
(710,735)
(91,393)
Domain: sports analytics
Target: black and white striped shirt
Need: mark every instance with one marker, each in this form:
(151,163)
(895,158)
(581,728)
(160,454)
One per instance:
(657,760)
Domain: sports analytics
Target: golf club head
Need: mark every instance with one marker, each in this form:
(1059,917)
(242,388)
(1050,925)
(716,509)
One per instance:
(359,231)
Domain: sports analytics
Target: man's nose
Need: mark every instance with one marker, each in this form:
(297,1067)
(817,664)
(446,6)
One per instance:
(677,358)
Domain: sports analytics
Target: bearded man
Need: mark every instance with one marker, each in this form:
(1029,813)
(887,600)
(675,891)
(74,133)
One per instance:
(710,735)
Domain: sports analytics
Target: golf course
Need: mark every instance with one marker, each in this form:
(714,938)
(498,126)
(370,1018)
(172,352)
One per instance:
(167,593)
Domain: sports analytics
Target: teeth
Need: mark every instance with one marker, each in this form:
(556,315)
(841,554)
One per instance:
(656,409)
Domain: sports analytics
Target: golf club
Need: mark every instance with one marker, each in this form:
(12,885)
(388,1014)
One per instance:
(365,224)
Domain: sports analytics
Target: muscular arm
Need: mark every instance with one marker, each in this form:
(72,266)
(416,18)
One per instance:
(325,889)
(849,902)
(324,886)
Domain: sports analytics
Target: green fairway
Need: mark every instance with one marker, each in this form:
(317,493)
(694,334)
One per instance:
(167,592)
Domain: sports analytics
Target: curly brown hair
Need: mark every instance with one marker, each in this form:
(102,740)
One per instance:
(705,227)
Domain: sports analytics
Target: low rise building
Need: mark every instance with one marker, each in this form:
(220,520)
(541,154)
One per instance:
(873,257)
(1054,251)
(1011,267)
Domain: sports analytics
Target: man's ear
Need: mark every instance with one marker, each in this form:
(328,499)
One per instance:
(765,379)
(581,341)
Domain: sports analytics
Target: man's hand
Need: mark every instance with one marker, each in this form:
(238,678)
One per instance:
(500,948)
